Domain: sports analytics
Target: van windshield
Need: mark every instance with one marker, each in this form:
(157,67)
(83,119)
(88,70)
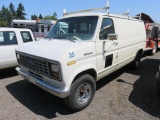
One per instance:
(74,28)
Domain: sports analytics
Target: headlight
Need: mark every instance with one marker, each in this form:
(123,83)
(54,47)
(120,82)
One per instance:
(18,56)
(54,70)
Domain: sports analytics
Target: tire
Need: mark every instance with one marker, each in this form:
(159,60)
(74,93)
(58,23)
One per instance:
(154,50)
(136,63)
(158,91)
(82,93)
(154,32)
(158,85)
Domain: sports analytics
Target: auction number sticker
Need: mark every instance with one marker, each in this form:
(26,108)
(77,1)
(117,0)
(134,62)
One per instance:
(71,55)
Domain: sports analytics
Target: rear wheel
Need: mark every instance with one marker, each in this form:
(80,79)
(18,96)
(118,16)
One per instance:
(136,63)
(82,92)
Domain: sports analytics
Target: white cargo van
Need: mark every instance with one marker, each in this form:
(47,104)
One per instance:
(80,49)
(10,38)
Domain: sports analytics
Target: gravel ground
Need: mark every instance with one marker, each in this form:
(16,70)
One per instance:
(123,95)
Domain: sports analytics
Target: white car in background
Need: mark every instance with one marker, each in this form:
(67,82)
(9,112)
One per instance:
(10,38)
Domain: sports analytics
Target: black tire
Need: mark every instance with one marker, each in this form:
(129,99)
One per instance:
(158,91)
(154,50)
(82,93)
(154,32)
(158,87)
(136,63)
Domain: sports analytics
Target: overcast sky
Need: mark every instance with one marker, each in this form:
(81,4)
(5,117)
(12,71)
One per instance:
(48,7)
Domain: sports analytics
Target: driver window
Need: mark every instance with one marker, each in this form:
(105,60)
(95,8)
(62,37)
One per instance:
(107,27)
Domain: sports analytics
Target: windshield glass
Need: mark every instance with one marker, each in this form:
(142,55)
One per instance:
(74,28)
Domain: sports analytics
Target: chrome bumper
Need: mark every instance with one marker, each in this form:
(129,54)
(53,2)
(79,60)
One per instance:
(53,90)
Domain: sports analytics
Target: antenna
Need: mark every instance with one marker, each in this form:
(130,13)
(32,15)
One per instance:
(64,12)
(107,7)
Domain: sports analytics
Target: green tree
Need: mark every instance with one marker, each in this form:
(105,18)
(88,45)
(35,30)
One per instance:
(3,24)
(0,16)
(21,12)
(55,14)
(9,17)
(12,11)
(48,17)
(40,16)
(5,15)
(33,17)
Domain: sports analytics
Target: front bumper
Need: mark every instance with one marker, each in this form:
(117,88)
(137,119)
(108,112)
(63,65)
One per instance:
(62,93)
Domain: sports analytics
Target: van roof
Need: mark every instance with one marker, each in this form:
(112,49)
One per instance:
(98,14)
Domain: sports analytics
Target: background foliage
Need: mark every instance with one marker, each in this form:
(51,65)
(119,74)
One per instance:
(7,14)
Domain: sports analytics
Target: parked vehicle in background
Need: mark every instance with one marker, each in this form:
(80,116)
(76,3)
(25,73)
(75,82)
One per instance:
(10,38)
(153,37)
(39,27)
(79,50)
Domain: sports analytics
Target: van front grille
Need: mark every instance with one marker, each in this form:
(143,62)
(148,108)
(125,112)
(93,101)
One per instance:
(34,63)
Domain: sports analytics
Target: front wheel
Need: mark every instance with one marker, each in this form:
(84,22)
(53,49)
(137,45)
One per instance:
(82,92)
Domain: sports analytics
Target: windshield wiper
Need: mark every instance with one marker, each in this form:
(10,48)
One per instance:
(62,37)
(71,40)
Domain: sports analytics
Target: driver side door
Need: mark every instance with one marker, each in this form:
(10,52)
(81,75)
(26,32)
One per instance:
(107,50)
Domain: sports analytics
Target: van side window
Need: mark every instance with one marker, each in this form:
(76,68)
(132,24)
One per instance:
(107,27)
(8,38)
(26,36)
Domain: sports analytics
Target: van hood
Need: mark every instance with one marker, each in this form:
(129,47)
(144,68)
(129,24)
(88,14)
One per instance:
(58,49)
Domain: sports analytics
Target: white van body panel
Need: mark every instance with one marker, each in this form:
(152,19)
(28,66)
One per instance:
(131,39)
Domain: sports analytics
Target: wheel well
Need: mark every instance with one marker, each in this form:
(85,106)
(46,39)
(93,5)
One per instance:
(91,72)
(140,51)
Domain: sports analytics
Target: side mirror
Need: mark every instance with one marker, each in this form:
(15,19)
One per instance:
(112,36)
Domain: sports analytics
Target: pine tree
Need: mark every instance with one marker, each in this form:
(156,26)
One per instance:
(12,11)
(32,17)
(40,16)
(4,13)
(21,12)
(55,14)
